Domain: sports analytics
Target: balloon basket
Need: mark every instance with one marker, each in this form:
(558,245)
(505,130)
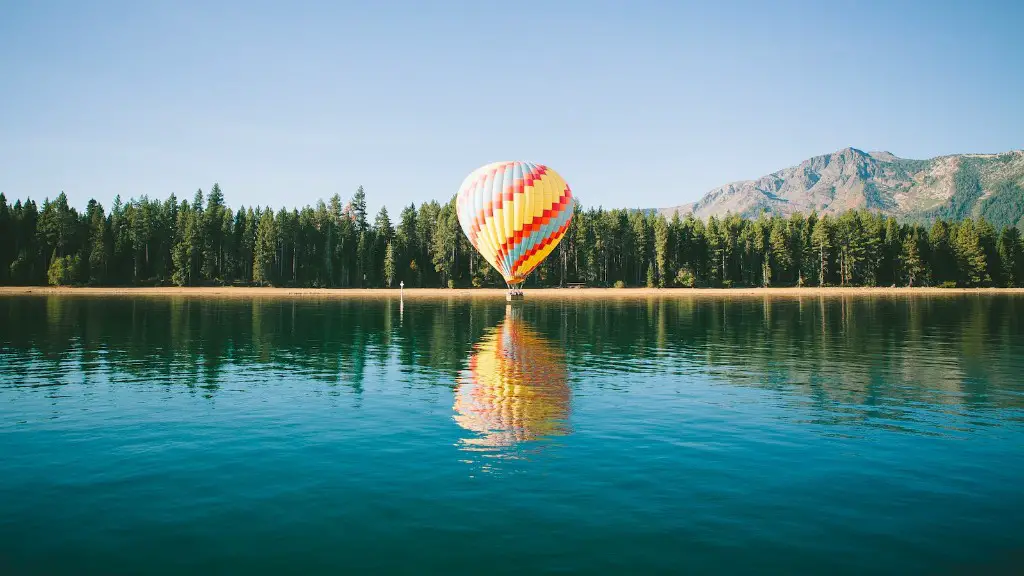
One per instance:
(511,298)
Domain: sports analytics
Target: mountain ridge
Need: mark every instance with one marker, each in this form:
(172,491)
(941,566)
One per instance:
(989,185)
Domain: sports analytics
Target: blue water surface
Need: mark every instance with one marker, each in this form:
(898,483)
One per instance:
(631,435)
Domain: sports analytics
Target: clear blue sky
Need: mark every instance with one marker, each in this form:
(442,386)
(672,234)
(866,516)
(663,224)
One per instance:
(634,103)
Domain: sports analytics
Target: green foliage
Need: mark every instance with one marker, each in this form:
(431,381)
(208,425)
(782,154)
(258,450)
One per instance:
(63,270)
(620,284)
(966,192)
(202,241)
(1011,257)
(909,166)
(6,239)
(1005,207)
(263,259)
(684,278)
(389,265)
(911,260)
(821,240)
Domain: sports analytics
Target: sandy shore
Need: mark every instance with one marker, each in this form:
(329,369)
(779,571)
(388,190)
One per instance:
(251,292)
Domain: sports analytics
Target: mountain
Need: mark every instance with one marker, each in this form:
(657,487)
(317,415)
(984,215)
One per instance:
(955,186)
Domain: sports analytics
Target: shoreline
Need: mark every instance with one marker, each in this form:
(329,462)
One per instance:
(253,292)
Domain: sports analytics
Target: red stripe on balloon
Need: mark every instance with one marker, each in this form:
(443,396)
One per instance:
(489,205)
(557,235)
(536,223)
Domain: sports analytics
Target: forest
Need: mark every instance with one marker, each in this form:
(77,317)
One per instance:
(335,244)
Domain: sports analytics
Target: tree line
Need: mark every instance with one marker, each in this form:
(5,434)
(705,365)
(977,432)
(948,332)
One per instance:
(334,244)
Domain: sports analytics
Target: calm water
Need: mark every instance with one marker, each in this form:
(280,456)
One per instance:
(170,436)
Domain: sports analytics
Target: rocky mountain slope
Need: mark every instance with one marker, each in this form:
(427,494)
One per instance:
(955,186)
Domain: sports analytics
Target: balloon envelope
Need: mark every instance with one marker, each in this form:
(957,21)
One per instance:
(514,214)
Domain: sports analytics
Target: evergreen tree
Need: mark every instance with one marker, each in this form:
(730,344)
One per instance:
(719,247)
(242,260)
(988,240)
(6,240)
(943,264)
(892,247)
(227,251)
(359,210)
(408,247)
(383,235)
(912,263)
(212,235)
(661,247)
(389,264)
(98,252)
(799,247)
(263,259)
(140,232)
(761,232)
(1011,257)
(821,238)
(970,256)
(23,268)
(181,252)
(247,246)
(779,247)
(444,243)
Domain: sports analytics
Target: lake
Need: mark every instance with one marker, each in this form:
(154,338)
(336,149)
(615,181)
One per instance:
(825,434)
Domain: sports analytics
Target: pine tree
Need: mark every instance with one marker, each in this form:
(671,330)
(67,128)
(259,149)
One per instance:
(943,263)
(180,254)
(760,233)
(6,240)
(779,247)
(445,243)
(797,242)
(1011,258)
(359,210)
(212,235)
(263,259)
(661,234)
(970,257)
(408,248)
(247,251)
(912,263)
(718,247)
(383,235)
(227,249)
(988,240)
(892,246)
(98,244)
(821,237)
(389,264)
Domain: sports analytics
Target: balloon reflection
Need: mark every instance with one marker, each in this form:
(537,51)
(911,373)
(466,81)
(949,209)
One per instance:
(515,388)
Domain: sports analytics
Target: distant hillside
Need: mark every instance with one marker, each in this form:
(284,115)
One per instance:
(956,186)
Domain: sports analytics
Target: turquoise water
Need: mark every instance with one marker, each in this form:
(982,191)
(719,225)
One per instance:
(826,435)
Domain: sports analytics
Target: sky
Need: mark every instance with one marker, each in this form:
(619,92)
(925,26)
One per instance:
(635,104)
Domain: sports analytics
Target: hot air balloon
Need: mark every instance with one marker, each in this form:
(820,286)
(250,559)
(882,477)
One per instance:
(514,214)
(515,389)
